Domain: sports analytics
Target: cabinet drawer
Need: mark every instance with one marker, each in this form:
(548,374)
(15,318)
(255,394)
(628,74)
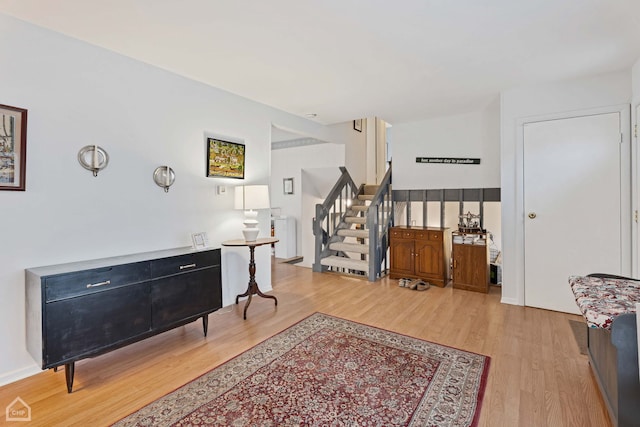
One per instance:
(70,285)
(402,234)
(421,235)
(435,236)
(184,263)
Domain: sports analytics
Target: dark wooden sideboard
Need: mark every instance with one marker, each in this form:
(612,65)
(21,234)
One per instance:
(83,309)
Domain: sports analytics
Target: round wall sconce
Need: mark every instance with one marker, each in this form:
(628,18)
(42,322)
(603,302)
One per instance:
(93,158)
(164,177)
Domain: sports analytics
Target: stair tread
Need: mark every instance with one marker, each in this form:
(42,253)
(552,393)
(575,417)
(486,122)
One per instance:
(359,207)
(371,188)
(355,220)
(343,262)
(353,233)
(349,247)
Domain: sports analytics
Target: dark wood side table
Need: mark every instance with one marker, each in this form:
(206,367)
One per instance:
(252,288)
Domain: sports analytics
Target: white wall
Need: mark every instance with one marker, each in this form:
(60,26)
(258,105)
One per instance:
(289,163)
(77,94)
(355,150)
(580,94)
(635,81)
(475,134)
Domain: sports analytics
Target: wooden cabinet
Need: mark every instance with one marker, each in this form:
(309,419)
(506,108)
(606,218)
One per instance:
(420,253)
(470,262)
(84,309)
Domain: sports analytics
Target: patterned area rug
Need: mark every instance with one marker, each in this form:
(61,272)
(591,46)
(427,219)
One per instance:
(329,371)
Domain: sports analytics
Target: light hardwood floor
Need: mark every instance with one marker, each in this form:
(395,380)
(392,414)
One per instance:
(537,376)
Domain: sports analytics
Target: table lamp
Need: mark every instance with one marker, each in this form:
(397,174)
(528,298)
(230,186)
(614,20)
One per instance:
(249,198)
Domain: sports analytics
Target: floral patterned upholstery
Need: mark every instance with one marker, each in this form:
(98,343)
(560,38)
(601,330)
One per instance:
(600,300)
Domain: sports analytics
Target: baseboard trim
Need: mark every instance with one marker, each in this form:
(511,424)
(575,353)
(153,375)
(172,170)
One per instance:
(512,301)
(18,374)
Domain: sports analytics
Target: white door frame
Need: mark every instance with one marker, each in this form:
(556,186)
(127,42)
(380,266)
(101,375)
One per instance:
(635,190)
(625,185)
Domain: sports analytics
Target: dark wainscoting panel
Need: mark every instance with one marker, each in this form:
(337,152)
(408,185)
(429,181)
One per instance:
(460,195)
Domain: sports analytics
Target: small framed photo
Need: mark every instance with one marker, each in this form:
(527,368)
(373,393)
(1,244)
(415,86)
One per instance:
(287,185)
(200,240)
(357,125)
(13,147)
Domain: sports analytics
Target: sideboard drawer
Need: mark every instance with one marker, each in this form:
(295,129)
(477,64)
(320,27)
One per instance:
(184,263)
(85,282)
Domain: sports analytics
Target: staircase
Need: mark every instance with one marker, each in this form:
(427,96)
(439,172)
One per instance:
(351,228)
(351,244)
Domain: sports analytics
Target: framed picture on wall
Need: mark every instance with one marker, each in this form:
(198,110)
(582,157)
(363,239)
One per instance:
(13,147)
(225,159)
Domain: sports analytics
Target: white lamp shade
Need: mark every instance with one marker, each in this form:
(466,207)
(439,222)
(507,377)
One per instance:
(249,197)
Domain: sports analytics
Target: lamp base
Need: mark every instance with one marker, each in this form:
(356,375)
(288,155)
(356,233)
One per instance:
(250,234)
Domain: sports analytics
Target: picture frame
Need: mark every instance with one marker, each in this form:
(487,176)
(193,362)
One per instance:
(287,185)
(13,148)
(225,159)
(200,240)
(357,125)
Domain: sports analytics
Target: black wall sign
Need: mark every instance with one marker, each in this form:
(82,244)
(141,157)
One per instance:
(449,160)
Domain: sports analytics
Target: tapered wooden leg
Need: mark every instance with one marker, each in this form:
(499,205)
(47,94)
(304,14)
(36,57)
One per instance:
(69,370)
(205,323)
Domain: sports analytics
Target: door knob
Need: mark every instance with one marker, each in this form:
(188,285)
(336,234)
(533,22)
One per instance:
(532,215)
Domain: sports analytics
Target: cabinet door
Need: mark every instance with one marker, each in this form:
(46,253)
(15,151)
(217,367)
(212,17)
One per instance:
(91,323)
(461,271)
(470,265)
(428,261)
(185,296)
(402,256)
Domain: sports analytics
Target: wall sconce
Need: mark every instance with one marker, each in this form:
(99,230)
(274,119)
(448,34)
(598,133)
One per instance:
(248,198)
(164,177)
(93,158)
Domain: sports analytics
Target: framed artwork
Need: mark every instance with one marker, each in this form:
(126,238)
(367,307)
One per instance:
(357,125)
(287,184)
(225,159)
(13,147)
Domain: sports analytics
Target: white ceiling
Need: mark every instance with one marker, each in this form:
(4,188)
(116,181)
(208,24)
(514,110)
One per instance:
(401,60)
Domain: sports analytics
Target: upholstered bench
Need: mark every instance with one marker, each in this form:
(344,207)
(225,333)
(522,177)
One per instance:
(608,304)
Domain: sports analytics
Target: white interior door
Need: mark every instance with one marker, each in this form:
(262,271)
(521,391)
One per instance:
(635,261)
(572,205)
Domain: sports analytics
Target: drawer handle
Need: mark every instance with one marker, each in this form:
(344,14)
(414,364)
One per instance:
(183,267)
(95,285)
